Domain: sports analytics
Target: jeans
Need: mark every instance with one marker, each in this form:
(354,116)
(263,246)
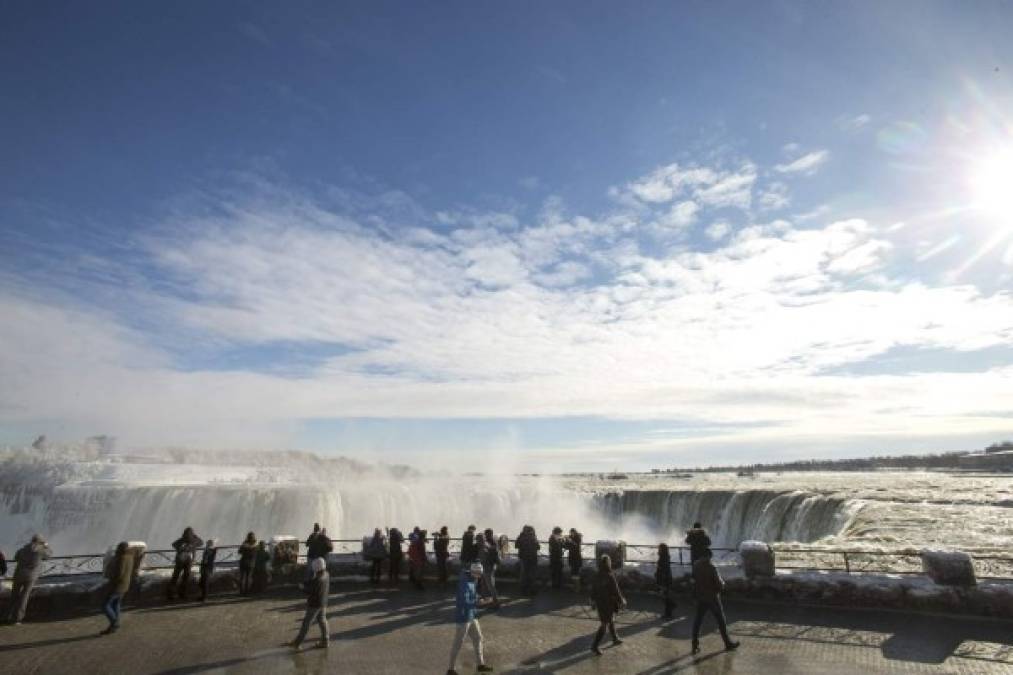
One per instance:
(529,566)
(245,578)
(111,608)
(441,566)
(463,629)
(20,592)
(180,580)
(375,570)
(490,581)
(556,569)
(714,607)
(317,614)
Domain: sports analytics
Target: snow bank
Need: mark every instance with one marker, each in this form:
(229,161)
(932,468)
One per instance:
(951,568)
(757,559)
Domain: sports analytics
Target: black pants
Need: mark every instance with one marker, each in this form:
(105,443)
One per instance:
(245,578)
(715,608)
(607,621)
(395,568)
(441,566)
(205,580)
(666,596)
(375,570)
(556,570)
(180,580)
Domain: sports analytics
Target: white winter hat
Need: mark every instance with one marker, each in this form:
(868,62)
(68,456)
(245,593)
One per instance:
(476,569)
(318,565)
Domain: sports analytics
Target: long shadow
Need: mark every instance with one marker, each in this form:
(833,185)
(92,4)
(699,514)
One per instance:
(225,664)
(684,662)
(48,643)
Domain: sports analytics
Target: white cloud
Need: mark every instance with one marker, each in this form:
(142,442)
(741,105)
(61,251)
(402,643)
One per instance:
(854,123)
(774,197)
(681,215)
(563,316)
(806,164)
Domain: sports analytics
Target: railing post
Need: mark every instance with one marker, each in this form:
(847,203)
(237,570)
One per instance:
(847,564)
(680,556)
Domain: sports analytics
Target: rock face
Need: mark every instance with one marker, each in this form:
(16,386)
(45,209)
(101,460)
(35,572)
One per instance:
(948,568)
(757,559)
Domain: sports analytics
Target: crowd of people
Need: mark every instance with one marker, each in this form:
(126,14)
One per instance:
(480,556)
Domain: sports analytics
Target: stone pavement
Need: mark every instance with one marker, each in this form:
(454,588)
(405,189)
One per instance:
(405,631)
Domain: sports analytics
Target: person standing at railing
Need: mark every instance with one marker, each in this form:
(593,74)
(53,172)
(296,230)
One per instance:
(261,573)
(417,556)
(247,557)
(663,577)
(698,542)
(29,559)
(376,551)
(318,545)
(527,550)
(3,565)
(207,568)
(556,557)
(441,546)
(395,538)
(186,550)
(707,584)
(119,572)
(469,551)
(575,555)
(490,563)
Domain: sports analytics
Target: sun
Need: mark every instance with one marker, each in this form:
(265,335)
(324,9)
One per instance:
(992,186)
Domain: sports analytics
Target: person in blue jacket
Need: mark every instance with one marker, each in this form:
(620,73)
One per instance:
(465,615)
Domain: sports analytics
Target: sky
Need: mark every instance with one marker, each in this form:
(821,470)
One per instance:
(568,236)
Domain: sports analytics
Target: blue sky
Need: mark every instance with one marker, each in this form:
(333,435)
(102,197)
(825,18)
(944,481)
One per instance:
(575,235)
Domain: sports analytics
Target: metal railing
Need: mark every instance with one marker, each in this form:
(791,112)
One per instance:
(988,565)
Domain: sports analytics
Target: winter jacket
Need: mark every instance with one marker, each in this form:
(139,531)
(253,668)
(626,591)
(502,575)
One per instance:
(467,599)
(556,548)
(3,565)
(573,547)
(377,548)
(491,557)
(707,582)
(318,546)
(605,593)
(186,548)
(318,590)
(441,544)
(469,551)
(247,554)
(30,558)
(663,575)
(120,572)
(527,544)
(396,539)
(417,551)
(698,542)
(207,561)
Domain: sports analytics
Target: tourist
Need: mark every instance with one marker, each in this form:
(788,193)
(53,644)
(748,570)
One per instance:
(466,619)
(376,551)
(490,563)
(29,559)
(608,600)
(527,550)
(247,556)
(119,572)
(708,585)
(575,555)
(318,590)
(186,550)
(3,565)
(468,552)
(441,546)
(556,557)
(417,557)
(395,538)
(261,573)
(318,545)
(698,542)
(663,577)
(207,568)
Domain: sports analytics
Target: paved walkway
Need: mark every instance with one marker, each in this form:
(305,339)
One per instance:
(409,632)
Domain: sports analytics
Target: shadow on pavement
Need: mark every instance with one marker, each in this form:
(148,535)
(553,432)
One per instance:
(48,643)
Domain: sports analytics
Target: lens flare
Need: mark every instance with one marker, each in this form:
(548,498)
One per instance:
(992,186)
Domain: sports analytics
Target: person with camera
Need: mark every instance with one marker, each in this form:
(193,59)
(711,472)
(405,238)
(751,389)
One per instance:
(466,618)
(186,550)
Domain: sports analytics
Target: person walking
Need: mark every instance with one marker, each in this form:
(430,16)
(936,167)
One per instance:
(247,556)
(207,568)
(663,577)
(186,550)
(490,563)
(29,559)
(261,572)
(556,557)
(119,572)
(376,551)
(608,600)
(396,555)
(698,542)
(441,546)
(575,555)
(417,557)
(318,590)
(465,616)
(527,550)
(707,584)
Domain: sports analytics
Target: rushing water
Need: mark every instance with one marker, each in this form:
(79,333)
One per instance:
(88,505)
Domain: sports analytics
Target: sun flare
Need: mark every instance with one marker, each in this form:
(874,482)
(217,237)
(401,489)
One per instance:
(992,186)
